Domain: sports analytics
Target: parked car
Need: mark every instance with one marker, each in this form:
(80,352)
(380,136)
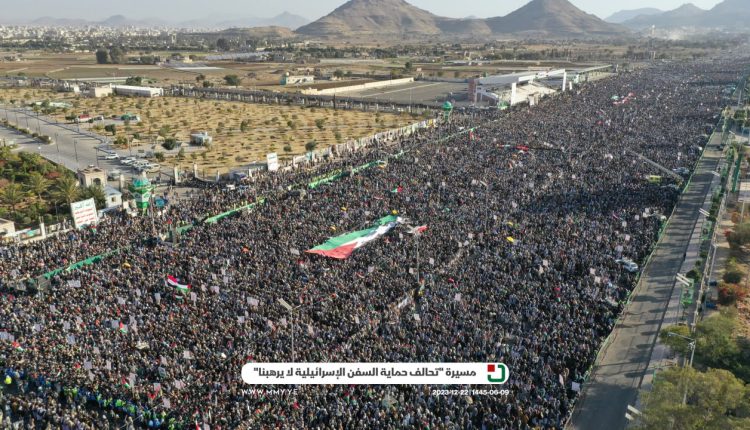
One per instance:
(128,161)
(113,175)
(111,156)
(681,171)
(627,264)
(153,167)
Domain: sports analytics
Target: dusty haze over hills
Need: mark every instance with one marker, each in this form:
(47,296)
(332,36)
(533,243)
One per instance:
(728,15)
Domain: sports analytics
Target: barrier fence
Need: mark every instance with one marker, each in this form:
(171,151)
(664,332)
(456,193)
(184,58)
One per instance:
(660,235)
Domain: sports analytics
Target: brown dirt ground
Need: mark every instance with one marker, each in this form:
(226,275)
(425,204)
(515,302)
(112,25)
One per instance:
(271,128)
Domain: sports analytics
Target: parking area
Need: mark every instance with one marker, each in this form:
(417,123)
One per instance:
(76,148)
(422,92)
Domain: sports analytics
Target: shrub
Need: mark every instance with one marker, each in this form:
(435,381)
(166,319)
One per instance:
(730,294)
(169,143)
(732,276)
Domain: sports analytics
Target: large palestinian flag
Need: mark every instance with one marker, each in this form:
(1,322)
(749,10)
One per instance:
(341,247)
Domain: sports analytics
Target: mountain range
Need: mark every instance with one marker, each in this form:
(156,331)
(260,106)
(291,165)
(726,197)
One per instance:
(397,18)
(624,15)
(284,19)
(727,15)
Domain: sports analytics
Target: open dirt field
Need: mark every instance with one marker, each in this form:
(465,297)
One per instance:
(269,128)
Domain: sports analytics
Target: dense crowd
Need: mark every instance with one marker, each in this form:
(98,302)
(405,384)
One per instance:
(527,217)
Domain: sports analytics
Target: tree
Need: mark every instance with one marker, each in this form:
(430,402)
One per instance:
(12,194)
(232,80)
(338,73)
(169,143)
(96,193)
(112,128)
(408,67)
(181,154)
(716,345)
(311,145)
(320,123)
(159,156)
(207,84)
(134,80)
(117,55)
(670,336)
(222,44)
(244,125)
(712,402)
(200,77)
(37,184)
(164,131)
(102,56)
(121,141)
(66,190)
(740,236)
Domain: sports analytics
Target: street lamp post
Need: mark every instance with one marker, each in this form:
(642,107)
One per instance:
(691,345)
(75,148)
(292,310)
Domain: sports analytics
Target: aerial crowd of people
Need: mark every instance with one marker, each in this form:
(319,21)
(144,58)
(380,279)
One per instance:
(530,214)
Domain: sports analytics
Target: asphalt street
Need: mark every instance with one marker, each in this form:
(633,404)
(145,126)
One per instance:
(620,368)
(72,147)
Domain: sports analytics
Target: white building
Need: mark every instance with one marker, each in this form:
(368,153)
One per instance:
(296,80)
(7,229)
(97,92)
(201,138)
(114,197)
(515,88)
(127,90)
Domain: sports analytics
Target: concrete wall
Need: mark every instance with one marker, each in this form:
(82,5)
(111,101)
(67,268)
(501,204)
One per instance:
(367,86)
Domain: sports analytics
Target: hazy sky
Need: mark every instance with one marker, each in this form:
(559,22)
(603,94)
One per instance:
(180,10)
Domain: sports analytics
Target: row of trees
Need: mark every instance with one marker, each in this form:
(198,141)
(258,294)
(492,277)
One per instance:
(714,393)
(113,55)
(33,188)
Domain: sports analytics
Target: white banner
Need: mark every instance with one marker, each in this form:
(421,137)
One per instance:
(273,162)
(84,213)
(375,373)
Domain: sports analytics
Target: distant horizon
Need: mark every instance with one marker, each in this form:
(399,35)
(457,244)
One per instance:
(176,11)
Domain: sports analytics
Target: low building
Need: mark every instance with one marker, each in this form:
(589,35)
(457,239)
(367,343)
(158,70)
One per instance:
(297,80)
(7,229)
(97,92)
(128,90)
(201,138)
(92,176)
(113,197)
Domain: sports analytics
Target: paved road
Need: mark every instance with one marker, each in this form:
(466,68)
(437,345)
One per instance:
(621,366)
(72,148)
(415,92)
